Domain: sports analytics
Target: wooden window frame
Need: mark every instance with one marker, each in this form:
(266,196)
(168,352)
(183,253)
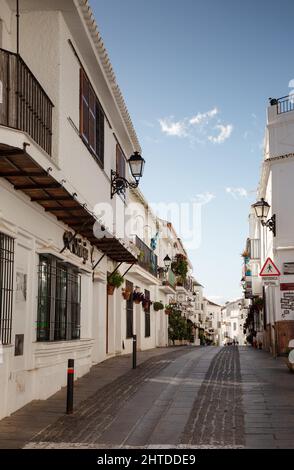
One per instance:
(91,112)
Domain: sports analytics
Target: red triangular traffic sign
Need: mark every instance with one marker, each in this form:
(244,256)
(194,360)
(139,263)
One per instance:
(269,269)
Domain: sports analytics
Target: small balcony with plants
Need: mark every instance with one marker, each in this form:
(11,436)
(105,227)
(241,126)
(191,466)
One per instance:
(146,268)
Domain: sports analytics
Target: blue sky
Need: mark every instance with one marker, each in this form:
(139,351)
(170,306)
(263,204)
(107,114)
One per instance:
(196,77)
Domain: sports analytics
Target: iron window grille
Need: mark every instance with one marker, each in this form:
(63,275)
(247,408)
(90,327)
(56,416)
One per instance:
(59,300)
(6,287)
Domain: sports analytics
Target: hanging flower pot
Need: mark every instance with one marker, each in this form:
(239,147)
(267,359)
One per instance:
(158,306)
(146,304)
(110,289)
(126,293)
(138,297)
(114,281)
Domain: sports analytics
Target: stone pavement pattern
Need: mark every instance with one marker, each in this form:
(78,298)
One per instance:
(204,397)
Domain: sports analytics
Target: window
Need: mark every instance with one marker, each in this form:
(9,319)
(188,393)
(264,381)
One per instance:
(147,316)
(235,326)
(6,287)
(91,119)
(59,300)
(130,310)
(121,167)
(120,162)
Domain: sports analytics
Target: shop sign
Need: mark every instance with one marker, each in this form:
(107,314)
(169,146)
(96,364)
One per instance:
(288,268)
(287,303)
(76,246)
(287,286)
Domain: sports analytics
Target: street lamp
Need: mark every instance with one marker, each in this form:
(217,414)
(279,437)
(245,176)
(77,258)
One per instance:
(167,262)
(119,183)
(261,211)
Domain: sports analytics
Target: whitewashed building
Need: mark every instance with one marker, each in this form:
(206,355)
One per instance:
(233,316)
(65,137)
(212,321)
(272,237)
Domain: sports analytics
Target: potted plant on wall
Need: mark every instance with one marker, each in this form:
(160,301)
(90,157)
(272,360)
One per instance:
(180,268)
(138,297)
(114,281)
(158,306)
(126,293)
(168,309)
(146,303)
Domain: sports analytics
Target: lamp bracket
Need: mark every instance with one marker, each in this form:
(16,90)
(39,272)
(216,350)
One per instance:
(270,224)
(119,184)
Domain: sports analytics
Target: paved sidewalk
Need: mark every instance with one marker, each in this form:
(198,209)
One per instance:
(21,427)
(268,400)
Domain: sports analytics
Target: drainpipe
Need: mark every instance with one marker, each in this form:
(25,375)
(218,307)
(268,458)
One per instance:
(17,27)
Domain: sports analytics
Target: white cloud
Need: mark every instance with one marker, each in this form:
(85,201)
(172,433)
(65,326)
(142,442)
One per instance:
(204,198)
(176,128)
(198,128)
(202,117)
(225,132)
(237,192)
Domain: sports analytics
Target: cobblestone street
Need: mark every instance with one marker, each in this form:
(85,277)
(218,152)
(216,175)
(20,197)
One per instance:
(205,397)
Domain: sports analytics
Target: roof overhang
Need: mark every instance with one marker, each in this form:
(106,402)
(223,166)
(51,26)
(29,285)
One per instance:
(26,175)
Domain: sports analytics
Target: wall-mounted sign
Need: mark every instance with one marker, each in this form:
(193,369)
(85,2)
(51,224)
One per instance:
(287,286)
(287,303)
(76,246)
(288,268)
(269,269)
(270,282)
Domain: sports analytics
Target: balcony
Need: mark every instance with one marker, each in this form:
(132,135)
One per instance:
(147,259)
(168,281)
(255,249)
(285,104)
(24,105)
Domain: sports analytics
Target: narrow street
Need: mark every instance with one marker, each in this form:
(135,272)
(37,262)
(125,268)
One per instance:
(207,397)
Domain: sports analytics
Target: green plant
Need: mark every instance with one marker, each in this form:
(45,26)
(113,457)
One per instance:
(177,328)
(158,306)
(258,303)
(141,255)
(115,280)
(180,267)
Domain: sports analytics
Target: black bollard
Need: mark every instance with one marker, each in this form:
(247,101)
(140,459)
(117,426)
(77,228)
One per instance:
(134,351)
(70,386)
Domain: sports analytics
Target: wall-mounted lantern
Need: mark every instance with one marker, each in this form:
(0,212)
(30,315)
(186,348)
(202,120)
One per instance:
(119,183)
(261,211)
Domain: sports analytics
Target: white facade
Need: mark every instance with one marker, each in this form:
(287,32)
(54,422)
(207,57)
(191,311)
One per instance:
(232,324)
(60,44)
(276,321)
(212,320)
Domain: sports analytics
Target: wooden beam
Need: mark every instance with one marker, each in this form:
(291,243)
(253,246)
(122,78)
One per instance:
(21,174)
(37,186)
(51,199)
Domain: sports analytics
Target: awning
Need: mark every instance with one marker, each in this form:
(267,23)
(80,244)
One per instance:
(26,175)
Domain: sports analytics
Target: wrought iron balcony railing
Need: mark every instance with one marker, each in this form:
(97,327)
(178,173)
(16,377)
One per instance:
(285,104)
(24,105)
(147,259)
(167,278)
